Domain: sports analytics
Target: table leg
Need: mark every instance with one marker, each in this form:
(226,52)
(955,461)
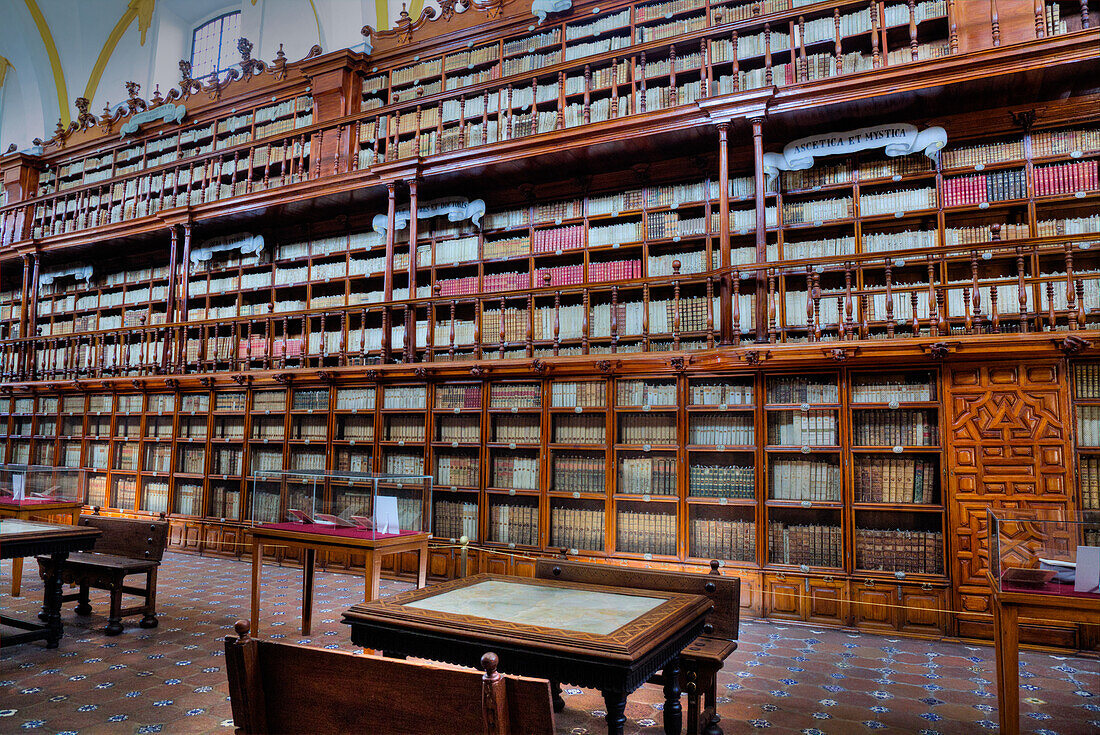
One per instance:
(555,695)
(16,576)
(422,572)
(674,720)
(308,560)
(1006,641)
(51,600)
(373,574)
(615,704)
(257,561)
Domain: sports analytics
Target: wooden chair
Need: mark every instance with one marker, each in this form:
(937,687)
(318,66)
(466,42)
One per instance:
(127,547)
(279,687)
(703,659)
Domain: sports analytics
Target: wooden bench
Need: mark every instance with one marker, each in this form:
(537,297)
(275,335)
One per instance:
(127,547)
(279,687)
(702,660)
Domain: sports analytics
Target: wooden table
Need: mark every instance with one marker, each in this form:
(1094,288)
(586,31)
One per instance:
(312,538)
(19,538)
(1053,601)
(31,508)
(608,638)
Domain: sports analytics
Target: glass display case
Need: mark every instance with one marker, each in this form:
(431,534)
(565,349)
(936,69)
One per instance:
(31,486)
(1047,552)
(362,505)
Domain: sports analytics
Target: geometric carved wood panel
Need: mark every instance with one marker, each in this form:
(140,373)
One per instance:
(1009,446)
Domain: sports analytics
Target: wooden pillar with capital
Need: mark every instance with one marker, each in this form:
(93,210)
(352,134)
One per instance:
(32,298)
(761,311)
(170,317)
(24,314)
(410,309)
(387,278)
(185,267)
(726,299)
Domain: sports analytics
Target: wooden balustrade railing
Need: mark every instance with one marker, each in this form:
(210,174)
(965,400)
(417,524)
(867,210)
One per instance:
(358,335)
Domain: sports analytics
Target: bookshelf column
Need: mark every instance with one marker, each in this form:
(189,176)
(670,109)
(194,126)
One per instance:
(387,282)
(410,308)
(24,316)
(761,316)
(724,229)
(173,255)
(32,298)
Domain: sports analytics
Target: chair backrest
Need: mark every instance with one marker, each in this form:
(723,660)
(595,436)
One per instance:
(135,538)
(722,621)
(279,687)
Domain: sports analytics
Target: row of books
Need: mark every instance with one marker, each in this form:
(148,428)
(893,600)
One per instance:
(801,479)
(1066,178)
(901,388)
(190,460)
(457,469)
(802,428)
(914,552)
(226,460)
(124,492)
(713,538)
(578,473)
(1086,380)
(265,460)
(647,429)
(408,397)
(893,202)
(458,429)
(454,519)
(996,186)
(647,475)
(721,481)
(515,472)
(400,427)
(188,498)
(645,533)
(158,458)
(721,429)
(353,460)
(515,395)
(584,429)
(883,427)
(559,238)
(355,399)
(225,502)
(523,429)
(644,393)
(1088,426)
(576,528)
(458,396)
(895,480)
(307,461)
(812,545)
(154,496)
(514,524)
(403,463)
(802,390)
(310,400)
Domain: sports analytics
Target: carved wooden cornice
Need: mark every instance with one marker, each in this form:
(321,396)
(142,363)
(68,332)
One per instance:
(405,28)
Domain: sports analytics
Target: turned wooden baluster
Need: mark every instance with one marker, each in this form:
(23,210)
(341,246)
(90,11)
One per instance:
(1021,288)
(585,323)
(479,315)
(614,88)
(864,327)
(645,317)
(968,321)
(676,305)
(876,58)
(1040,21)
(587,94)
(768,54)
(994,316)
(1051,313)
(771,306)
(837,51)
(735,74)
(809,302)
(817,306)
(417,140)
(891,324)
(557,315)
(561,101)
(451,346)
(953,33)
(849,327)
(1084,13)
(913,30)
(343,337)
(315,160)
(1071,293)
(913,299)
(933,310)
(303,169)
(534,124)
(803,71)
(363,336)
(530,325)
(502,331)
(305,339)
(509,125)
(642,95)
(462,124)
(975,292)
(485,117)
(614,319)
(710,311)
(736,308)
(674,97)
(438,148)
(706,70)
(1080,303)
(995,23)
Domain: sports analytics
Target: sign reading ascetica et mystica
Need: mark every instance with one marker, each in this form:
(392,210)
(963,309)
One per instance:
(899,139)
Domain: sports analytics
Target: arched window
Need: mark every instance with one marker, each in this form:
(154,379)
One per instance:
(213,45)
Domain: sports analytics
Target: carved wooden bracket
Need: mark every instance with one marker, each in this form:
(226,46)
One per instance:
(138,384)
(540,366)
(241,379)
(420,372)
(680,362)
(206,382)
(51,386)
(372,374)
(1073,345)
(840,354)
(1024,119)
(282,378)
(479,371)
(172,383)
(940,350)
(756,357)
(607,366)
(325,376)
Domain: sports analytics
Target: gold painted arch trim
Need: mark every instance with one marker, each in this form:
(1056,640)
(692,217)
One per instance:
(55,60)
(107,51)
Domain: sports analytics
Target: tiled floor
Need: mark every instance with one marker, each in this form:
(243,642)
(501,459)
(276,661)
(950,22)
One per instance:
(786,679)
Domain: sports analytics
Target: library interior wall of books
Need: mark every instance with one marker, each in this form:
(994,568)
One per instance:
(804,287)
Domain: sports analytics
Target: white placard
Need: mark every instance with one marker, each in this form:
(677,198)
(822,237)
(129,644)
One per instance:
(899,139)
(1087,578)
(385,514)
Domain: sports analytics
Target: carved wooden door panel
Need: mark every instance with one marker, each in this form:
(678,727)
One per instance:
(1009,446)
